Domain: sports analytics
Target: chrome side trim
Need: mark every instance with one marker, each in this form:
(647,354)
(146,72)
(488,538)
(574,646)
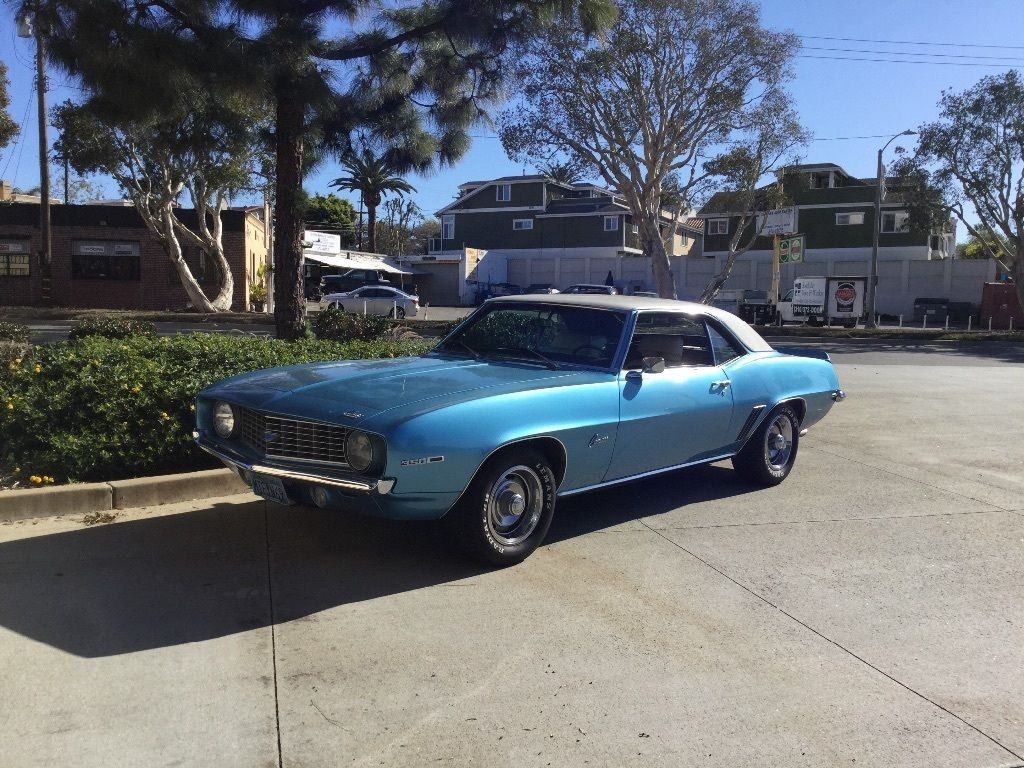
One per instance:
(642,475)
(382,486)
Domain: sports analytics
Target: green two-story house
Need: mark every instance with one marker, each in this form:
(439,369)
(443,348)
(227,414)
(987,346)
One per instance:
(835,212)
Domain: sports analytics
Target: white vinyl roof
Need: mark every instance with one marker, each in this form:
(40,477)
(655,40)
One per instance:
(344,261)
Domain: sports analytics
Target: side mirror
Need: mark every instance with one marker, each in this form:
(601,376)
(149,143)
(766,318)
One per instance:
(653,365)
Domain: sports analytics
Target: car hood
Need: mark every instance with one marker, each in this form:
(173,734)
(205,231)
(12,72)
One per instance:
(350,391)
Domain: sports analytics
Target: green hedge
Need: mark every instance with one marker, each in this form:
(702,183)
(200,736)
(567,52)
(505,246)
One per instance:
(339,325)
(13,331)
(111,327)
(103,409)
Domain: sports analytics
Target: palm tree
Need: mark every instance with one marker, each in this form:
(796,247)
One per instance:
(566,172)
(373,177)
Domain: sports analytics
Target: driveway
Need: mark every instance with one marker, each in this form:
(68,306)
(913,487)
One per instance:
(868,612)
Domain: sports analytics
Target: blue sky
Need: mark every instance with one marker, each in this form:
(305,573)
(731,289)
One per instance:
(835,98)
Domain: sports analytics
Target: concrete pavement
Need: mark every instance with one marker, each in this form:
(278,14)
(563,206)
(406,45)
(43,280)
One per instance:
(866,613)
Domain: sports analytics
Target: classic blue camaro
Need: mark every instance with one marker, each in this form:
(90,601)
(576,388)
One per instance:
(530,398)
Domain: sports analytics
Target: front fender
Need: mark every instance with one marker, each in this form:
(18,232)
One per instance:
(439,450)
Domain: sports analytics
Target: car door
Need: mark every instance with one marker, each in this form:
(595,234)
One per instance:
(353,302)
(680,415)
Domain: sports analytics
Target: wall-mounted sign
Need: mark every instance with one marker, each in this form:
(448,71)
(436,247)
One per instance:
(321,242)
(781,221)
(13,246)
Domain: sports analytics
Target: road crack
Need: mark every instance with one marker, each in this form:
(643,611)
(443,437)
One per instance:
(273,634)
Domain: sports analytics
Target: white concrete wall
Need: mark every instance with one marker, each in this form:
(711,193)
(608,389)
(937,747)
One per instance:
(903,274)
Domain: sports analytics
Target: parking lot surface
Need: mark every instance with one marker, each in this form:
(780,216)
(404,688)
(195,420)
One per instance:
(867,612)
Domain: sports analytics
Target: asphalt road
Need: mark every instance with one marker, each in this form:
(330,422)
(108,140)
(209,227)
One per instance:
(867,612)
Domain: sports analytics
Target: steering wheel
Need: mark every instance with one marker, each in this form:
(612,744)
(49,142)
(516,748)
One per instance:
(585,348)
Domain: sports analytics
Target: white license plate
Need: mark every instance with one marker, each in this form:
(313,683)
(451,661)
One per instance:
(270,488)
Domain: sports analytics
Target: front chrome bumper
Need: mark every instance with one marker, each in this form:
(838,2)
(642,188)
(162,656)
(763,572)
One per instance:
(381,486)
(839,395)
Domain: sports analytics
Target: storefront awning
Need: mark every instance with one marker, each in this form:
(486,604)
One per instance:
(345,262)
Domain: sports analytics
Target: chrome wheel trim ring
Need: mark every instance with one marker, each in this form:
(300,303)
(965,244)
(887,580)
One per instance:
(515,502)
(778,442)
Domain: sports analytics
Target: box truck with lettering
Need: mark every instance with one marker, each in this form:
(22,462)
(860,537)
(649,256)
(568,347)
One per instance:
(824,301)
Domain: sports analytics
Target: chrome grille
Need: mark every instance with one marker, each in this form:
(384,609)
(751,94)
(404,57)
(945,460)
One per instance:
(279,437)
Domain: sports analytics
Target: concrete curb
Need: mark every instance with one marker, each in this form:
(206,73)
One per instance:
(81,498)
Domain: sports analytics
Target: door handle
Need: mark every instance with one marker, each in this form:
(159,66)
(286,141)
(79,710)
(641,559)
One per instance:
(718,386)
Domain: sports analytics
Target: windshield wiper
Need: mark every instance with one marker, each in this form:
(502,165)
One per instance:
(540,356)
(465,346)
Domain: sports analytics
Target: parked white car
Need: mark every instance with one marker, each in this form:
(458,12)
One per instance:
(374,300)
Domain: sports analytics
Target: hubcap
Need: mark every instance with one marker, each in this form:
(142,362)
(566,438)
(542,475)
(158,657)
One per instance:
(778,442)
(514,505)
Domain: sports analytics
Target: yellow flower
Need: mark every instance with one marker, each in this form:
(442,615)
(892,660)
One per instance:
(39,368)
(17,361)
(136,389)
(10,406)
(192,408)
(35,479)
(164,416)
(47,479)
(17,470)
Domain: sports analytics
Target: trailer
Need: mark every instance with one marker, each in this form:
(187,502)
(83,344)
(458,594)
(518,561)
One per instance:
(824,301)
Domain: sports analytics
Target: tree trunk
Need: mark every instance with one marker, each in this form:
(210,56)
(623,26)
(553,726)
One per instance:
(1017,270)
(226,294)
(661,266)
(188,281)
(712,289)
(371,227)
(288,294)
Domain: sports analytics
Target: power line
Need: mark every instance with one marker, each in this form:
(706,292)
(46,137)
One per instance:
(911,42)
(910,61)
(912,53)
(18,145)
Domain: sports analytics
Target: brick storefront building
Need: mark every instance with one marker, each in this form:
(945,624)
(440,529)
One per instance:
(104,257)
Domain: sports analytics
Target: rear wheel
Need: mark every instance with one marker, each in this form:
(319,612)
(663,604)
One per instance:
(507,509)
(770,453)
(398,313)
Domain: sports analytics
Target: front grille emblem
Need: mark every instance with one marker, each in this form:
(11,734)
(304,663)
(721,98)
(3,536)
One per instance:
(269,437)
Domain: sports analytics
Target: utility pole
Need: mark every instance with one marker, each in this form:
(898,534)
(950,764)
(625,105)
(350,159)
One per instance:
(879,191)
(31,25)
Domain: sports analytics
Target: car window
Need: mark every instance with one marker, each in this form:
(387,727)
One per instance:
(725,348)
(545,333)
(679,339)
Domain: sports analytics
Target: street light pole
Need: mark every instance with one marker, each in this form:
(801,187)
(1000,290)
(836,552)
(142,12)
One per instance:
(877,226)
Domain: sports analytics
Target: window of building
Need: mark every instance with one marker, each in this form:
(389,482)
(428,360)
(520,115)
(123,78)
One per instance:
(503,193)
(105,260)
(14,258)
(447,227)
(895,221)
(678,339)
(522,224)
(718,226)
(635,229)
(611,223)
(823,180)
(201,266)
(849,219)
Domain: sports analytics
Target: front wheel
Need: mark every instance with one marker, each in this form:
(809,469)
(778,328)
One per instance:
(507,509)
(770,453)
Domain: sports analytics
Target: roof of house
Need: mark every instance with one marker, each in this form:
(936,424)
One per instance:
(112,216)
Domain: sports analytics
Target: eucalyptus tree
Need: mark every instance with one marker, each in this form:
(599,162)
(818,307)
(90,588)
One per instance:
(414,75)
(373,176)
(969,164)
(209,152)
(672,86)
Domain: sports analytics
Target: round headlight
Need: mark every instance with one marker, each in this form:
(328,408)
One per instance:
(224,421)
(359,450)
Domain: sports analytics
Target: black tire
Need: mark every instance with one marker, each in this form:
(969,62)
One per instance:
(763,460)
(476,519)
(398,313)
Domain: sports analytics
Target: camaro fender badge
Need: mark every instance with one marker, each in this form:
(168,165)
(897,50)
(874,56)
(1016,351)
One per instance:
(597,439)
(424,460)
(352,415)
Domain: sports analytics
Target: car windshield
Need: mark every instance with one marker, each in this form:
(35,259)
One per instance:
(544,334)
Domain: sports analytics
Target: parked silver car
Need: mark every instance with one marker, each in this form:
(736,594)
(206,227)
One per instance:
(374,300)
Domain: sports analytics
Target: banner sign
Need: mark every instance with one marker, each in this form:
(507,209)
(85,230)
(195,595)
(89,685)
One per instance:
(13,246)
(781,221)
(321,242)
(791,249)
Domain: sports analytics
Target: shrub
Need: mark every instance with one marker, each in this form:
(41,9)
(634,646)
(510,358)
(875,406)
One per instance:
(101,409)
(111,327)
(13,332)
(339,325)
